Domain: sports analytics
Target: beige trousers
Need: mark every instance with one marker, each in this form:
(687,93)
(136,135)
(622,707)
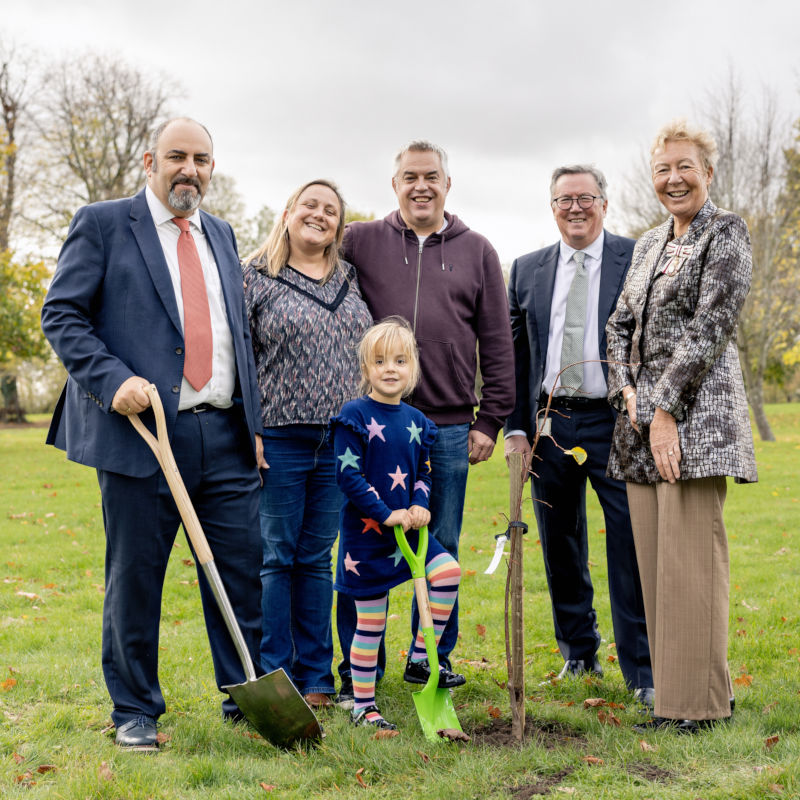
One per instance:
(682,552)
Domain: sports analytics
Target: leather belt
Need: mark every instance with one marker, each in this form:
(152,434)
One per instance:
(200,407)
(574,403)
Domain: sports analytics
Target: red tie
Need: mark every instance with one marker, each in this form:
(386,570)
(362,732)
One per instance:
(196,316)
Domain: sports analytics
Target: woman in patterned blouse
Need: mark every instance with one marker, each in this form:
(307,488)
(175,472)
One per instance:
(306,319)
(684,424)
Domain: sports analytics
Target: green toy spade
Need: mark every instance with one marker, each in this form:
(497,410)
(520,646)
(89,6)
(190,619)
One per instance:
(434,705)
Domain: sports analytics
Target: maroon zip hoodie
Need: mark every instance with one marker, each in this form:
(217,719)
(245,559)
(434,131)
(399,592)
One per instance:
(451,290)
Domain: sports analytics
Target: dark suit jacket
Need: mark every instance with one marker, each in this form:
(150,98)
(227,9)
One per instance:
(110,314)
(530,294)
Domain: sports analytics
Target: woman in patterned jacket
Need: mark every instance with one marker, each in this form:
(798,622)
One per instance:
(306,318)
(684,424)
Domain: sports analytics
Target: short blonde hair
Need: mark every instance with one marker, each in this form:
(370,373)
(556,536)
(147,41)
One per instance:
(389,335)
(679,130)
(272,255)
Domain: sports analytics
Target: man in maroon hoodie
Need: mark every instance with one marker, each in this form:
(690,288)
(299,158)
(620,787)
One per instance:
(426,265)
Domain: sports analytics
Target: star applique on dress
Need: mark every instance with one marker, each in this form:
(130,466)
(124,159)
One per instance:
(350,565)
(375,430)
(423,486)
(371,525)
(415,432)
(398,478)
(349,459)
(397,556)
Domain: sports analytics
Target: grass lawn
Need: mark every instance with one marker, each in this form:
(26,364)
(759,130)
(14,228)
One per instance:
(55,735)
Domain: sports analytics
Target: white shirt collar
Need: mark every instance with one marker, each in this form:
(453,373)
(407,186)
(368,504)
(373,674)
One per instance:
(594,250)
(161,214)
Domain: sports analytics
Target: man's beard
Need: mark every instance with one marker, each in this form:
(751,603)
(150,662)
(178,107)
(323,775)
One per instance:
(185,199)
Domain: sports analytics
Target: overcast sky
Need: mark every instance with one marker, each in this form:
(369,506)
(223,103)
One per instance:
(300,89)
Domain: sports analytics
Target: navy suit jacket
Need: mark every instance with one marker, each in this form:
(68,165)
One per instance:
(530,294)
(110,314)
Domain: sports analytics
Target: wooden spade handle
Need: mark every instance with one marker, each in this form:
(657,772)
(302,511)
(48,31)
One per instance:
(163,453)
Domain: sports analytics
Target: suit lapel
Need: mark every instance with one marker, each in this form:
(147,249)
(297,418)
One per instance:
(144,231)
(224,256)
(543,282)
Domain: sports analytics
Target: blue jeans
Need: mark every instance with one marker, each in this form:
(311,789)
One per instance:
(449,467)
(299,511)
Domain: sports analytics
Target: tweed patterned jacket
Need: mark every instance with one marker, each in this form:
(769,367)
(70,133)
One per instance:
(673,333)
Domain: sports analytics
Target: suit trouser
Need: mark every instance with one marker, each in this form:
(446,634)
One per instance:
(683,561)
(213,453)
(561,519)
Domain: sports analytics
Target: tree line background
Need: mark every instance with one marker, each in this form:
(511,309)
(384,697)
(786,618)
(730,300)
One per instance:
(73,132)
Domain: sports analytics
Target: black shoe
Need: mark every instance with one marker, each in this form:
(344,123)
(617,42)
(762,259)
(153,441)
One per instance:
(360,718)
(345,698)
(646,696)
(420,671)
(690,726)
(575,667)
(138,735)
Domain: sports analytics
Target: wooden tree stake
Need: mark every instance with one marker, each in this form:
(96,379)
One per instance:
(515,650)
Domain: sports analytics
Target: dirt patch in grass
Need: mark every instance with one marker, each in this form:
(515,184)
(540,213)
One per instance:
(497,733)
(650,772)
(542,786)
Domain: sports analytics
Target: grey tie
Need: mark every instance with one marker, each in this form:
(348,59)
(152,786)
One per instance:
(574,323)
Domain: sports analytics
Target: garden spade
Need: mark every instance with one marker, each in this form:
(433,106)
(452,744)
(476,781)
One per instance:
(434,705)
(270,703)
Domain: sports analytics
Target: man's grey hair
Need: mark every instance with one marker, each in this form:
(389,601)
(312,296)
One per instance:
(155,134)
(579,169)
(422,146)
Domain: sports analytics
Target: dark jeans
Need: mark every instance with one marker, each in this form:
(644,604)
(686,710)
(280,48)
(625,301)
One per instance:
(299,511)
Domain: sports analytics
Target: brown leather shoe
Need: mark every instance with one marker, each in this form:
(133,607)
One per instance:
(318,700)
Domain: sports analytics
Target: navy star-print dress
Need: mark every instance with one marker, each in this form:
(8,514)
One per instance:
(382,464)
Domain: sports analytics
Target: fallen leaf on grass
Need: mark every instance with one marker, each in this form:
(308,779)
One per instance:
(267,787)
(161,738)
(18,759)
(469,573)
(43,768)
(593,702)
(480,630)
(385,734)
(26,778)
(769,707)
(29,595)
(771,741)
(608,718)
(775,787)
(105,773)
(611,659)
(187,562)
(493,711)
(453,735)
(424,757)
(7,684)
(743,680)
(646,746)
(593,760)
(359,778)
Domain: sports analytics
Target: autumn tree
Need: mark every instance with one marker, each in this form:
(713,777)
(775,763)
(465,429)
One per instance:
(94,118)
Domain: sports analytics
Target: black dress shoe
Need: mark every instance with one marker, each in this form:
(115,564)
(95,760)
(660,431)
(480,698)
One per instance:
(575,667)
(138,735)
(345,698)
(420,671)
(678,725)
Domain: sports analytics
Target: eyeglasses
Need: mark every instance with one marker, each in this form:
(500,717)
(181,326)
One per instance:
(584,201)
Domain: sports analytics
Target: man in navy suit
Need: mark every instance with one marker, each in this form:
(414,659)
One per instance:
(115,316)
(542,303)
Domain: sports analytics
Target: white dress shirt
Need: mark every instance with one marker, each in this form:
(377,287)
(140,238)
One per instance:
(219,390)
(594,382)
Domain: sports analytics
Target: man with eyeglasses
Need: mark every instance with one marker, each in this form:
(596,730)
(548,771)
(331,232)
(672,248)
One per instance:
(560,299)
